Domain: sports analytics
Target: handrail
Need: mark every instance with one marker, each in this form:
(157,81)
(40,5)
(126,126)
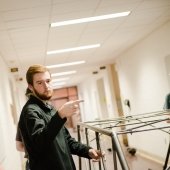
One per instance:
(101,127)
(115,145)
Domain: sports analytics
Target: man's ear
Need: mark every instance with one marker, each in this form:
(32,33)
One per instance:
(30,87)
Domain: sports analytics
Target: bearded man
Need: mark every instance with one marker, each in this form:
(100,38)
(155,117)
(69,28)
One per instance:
(46,139)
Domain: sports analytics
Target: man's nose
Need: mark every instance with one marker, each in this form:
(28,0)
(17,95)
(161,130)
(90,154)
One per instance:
(46,85)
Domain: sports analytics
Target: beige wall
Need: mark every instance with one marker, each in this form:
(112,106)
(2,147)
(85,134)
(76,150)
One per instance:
(9,157)
(88,90)
(143,80)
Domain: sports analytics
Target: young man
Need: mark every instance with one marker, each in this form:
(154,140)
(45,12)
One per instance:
(47,141)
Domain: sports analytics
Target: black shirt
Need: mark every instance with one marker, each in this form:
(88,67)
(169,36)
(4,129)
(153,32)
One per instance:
(47,141)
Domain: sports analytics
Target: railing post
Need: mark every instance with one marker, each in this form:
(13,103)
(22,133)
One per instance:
(114,155)
(87,141)
(118,149)
(98,147)
(79,139)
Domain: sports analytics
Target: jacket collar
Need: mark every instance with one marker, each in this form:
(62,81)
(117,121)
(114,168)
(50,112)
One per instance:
(44,105)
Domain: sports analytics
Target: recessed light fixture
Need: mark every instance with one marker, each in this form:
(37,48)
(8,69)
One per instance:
(89,19)
(63,73)
(66,64)
(73,49)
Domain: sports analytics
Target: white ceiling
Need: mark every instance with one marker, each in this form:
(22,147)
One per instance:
(26,36)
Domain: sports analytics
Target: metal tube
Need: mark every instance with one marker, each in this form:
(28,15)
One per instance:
(79,139)
(117,146)
(98,147)
(87,141)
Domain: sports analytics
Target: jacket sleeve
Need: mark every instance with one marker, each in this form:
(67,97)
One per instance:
(18,135)
(42,131)
(167,102)
(76,147)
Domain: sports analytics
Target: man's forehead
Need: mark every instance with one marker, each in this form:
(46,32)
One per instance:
(41,76)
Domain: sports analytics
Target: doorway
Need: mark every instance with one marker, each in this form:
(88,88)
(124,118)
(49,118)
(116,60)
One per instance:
(102,98)
(63,95)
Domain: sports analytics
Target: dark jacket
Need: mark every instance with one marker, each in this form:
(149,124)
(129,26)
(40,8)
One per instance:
(47,141)
(167,102)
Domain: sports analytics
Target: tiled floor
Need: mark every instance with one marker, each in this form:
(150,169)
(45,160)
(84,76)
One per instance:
(139,163)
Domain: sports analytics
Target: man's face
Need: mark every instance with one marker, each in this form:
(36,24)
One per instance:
(42,85)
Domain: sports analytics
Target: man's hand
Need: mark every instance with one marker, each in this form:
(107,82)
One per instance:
(96,154)
(68,109)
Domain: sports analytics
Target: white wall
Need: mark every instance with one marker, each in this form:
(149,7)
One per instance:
(9,157)
(88,91)
(143,80)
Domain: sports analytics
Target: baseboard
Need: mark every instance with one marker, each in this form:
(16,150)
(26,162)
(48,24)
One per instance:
(151,157)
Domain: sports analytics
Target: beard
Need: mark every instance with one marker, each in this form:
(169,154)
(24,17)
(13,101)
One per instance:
(46,96)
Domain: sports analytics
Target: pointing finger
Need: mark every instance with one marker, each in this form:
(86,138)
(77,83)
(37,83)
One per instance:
(77,101)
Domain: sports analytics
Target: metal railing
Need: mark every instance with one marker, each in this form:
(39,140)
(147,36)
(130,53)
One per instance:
(117,149)
(113,127)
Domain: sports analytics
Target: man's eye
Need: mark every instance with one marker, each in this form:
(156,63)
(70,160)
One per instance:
(39,83)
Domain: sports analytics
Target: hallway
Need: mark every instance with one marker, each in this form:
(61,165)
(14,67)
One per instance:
(118,65)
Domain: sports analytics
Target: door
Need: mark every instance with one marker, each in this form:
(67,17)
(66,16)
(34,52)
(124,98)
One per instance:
(118,100)
(62,96)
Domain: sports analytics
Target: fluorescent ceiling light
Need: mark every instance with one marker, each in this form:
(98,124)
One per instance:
(58,84)
(60,79)
(73,49)
(66,64)
(63,73)
(90,19)
(57,87)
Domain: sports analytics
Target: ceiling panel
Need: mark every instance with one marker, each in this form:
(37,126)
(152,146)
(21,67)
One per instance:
(7,5)
(74,6)
(26,36)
